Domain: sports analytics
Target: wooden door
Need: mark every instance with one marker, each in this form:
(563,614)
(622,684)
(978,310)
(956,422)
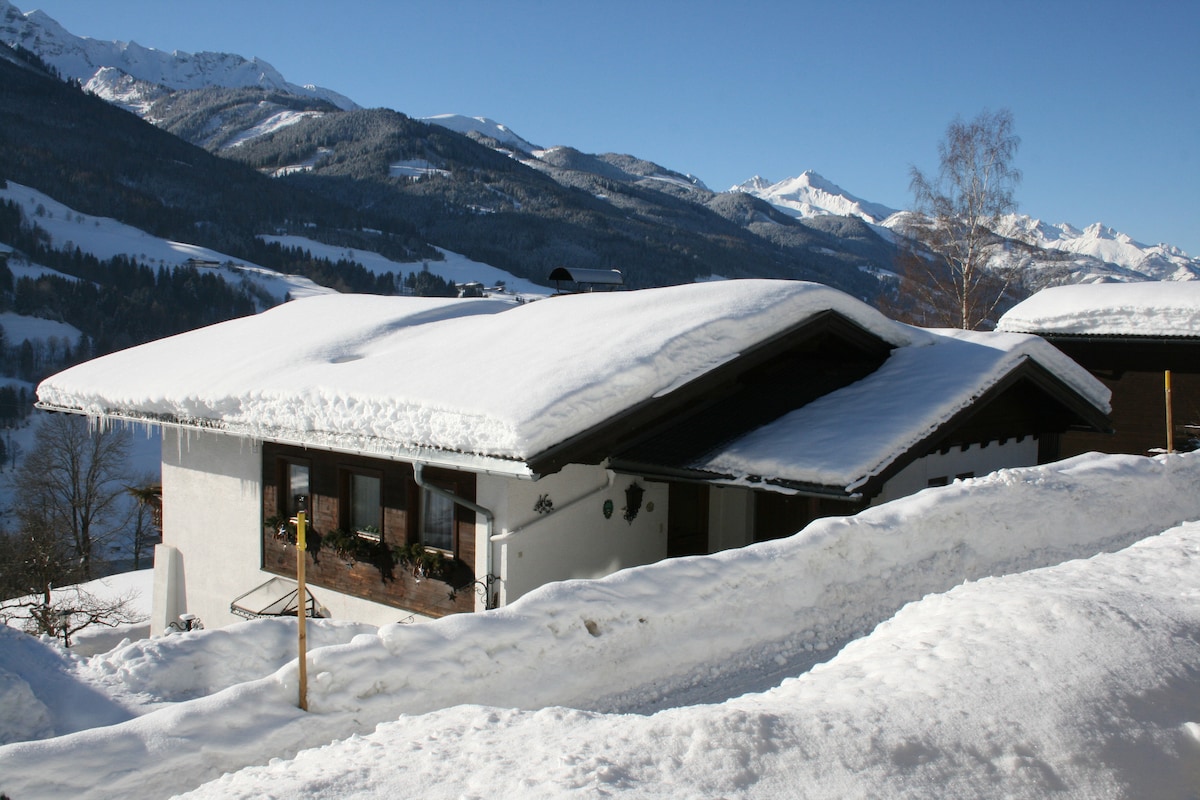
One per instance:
(687,519)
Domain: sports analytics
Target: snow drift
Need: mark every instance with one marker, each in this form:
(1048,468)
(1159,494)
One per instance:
(677,632)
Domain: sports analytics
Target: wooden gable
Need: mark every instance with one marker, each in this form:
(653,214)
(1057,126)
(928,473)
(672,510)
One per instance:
(1029,401)
(820,354)
(1133,368)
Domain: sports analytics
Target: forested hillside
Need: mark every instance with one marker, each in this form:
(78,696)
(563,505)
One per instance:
(102,160)
(499,209)
(523,214)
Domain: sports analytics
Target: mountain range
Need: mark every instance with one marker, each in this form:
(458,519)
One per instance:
(473,185)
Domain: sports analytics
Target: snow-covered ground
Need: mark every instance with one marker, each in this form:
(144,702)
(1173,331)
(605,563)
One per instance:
(871,656)
(105,238)
(18,328)
(454,266)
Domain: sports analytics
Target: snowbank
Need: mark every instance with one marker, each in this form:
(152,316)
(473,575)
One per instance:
(1149,308)
(1077,680)
(705,629)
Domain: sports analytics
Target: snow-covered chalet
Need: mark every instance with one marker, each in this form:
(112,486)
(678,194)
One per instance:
(454,455)
(1142,340)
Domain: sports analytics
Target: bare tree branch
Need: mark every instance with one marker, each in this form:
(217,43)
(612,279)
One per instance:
(967,271)
(71,483)
(64,612)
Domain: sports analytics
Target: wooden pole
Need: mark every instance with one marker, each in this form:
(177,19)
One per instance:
(1170,421)
(302,609)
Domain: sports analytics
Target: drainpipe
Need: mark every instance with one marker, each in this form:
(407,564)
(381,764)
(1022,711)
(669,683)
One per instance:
(488,517)
(607,485)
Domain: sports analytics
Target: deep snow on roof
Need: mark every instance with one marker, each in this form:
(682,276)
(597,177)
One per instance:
(850,435)
(387,374)
(1149,308)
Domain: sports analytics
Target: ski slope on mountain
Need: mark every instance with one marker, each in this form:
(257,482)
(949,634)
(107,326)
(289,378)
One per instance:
(453,266)
(105,238)
(1067,675)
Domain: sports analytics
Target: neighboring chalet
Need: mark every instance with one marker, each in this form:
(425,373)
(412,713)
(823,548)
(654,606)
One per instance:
(454,455)
(1129,335)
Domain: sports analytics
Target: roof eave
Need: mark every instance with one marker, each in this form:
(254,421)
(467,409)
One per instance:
(370,448)
(754,482)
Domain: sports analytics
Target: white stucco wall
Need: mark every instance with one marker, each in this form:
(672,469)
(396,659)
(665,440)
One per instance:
(957,461)
(212,511)
(574,540)
(211,550)
(212,501)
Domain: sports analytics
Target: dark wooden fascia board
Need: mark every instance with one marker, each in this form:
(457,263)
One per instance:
(752,482)
(597,443)
(1119,353)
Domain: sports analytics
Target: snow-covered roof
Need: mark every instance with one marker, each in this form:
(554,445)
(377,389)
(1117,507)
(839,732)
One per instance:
(853,434)
(1149,308)
(389,375)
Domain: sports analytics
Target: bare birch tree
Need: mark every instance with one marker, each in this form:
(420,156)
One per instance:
(72,486)
(955,268)
(70,501)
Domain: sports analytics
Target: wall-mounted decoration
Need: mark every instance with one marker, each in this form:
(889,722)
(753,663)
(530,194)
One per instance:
(633,501)
(608,509)
(544,504)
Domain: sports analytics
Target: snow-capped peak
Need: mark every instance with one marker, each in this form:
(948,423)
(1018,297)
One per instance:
(84,58)
(1099,241)
(755,184)
(810,195)
(488,127)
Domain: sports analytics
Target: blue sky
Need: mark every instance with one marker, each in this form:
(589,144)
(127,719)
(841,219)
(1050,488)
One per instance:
(1105,95)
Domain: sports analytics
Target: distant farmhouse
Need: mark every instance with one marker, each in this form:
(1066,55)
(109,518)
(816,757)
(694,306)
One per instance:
(452,455)
(1130,336)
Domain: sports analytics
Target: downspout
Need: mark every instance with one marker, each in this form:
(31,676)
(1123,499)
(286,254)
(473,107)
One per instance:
(488,517)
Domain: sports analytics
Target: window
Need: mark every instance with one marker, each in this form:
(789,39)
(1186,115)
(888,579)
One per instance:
(296,488)
(437,521)
(363,502)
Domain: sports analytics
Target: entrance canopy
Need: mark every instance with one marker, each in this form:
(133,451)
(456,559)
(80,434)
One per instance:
(275,598)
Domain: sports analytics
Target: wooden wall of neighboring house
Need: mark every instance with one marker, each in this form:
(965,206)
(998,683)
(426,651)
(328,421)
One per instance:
(778,515)
(1139,415)
(382,582)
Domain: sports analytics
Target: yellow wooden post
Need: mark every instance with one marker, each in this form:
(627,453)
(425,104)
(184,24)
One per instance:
(1170,421)
(302,609)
